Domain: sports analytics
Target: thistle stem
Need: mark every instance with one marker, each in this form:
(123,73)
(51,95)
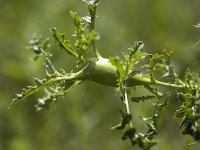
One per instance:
(92,28)
(126,101)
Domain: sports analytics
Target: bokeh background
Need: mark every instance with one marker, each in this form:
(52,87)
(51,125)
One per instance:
(82,120)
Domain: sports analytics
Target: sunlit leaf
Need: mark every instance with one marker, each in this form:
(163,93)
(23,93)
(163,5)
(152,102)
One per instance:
(117,63)
(64,43)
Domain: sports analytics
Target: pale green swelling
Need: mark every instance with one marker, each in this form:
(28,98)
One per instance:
(103,72)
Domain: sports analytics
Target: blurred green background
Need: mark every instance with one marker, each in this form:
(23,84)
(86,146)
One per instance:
(82,120)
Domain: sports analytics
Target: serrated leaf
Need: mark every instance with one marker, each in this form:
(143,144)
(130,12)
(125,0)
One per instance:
(149,143)
(139,55)
(136,50)
(25,93)
(115,61)
(130,132)
(64,43)
(31,90)
(126,118)
(150,122)
(142,98)
(54,93)
(160,67)
(153,90)
(139,45)
(77,19)
(180,112)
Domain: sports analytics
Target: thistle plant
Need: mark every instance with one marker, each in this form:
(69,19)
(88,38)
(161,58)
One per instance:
(133,70)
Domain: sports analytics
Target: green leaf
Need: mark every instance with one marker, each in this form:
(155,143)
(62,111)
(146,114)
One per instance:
(143,98)
(153,90)
(130,132)
(180,112)
(25,93)
(160,67)
(77,22)
(150,123)
(126,118)
(186,98)
(32,89)
(136,53)
(149,143)
(115,61)
(64,43)
(54,93)
(87,41)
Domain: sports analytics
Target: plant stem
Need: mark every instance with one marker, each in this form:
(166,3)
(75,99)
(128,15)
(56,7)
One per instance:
(92,28)
(51,65)
(126,101)
(103,72)
(170,85)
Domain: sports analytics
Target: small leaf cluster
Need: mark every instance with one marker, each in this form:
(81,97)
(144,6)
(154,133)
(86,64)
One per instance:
(189,111)
(53,85)
(161,64)
(84,33)
(126,69)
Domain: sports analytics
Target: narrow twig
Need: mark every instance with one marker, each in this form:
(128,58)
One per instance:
(126,102)
(92,27)
(51,65)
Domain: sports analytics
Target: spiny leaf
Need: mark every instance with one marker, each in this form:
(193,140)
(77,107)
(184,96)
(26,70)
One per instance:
(54,93)
(126,118)
(153,90)
(136,51)
(129,132)
(151,121)
(160,67)
(31,89)
(180,112)
(117,63)
(39,47)
(136,47)
(143,98)
(87,41)
(25,93)
(149,143)
(77,19)
(64,43)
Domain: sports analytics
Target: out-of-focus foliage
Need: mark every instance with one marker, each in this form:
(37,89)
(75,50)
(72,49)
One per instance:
(165,24)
